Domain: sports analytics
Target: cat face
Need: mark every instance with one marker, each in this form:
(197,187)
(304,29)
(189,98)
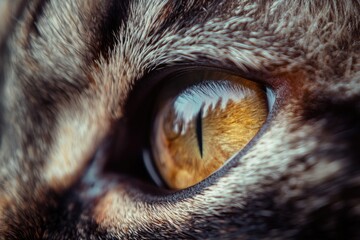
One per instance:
(78,76)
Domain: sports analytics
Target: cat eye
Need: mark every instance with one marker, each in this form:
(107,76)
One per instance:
(196,129)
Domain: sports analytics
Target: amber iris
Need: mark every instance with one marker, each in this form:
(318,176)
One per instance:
(198,130)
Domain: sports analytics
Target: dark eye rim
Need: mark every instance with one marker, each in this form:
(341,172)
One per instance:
(181,82)
(146,88)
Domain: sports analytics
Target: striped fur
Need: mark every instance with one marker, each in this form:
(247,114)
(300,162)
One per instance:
(69,67)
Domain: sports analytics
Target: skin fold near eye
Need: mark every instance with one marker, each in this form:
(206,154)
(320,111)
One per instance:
(198,130)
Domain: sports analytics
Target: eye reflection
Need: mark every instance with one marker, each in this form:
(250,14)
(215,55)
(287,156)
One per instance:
(198,130)
(203,99)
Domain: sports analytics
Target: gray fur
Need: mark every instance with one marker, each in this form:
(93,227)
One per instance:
(65,84)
